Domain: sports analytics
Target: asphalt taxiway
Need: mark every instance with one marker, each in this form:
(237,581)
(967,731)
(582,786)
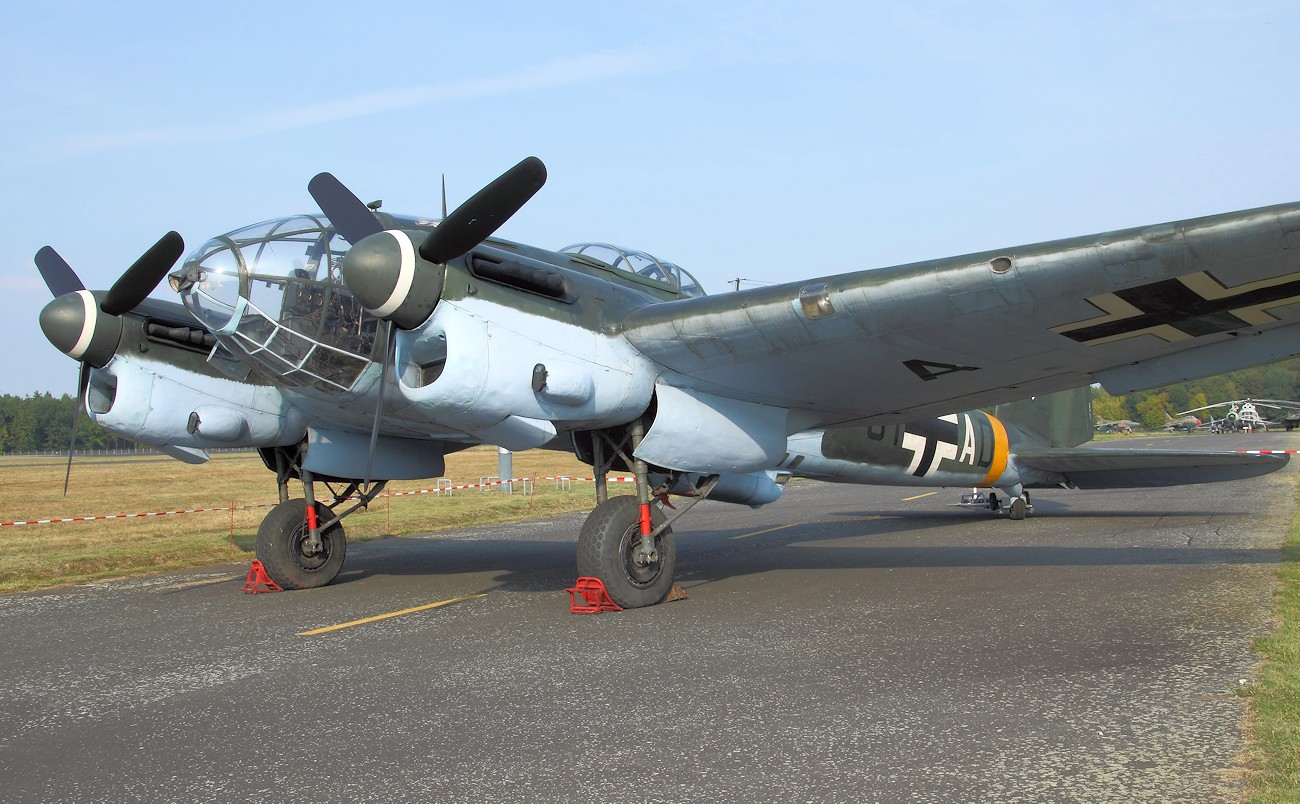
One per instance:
(846,643)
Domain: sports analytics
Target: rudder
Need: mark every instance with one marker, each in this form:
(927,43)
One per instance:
(1062,419)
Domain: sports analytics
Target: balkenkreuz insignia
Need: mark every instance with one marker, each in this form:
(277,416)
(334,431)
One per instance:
(1181,308)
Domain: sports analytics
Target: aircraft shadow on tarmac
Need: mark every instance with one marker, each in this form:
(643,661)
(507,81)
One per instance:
(529,565)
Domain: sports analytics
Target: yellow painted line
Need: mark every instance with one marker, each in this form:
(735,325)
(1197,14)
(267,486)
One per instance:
(761,532)
(379,617)
(192,584)
(919,496)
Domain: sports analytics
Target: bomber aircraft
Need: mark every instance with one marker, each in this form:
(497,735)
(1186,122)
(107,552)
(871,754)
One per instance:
(353,346)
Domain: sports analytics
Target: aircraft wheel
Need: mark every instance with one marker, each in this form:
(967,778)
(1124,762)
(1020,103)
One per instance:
(282,542)
(1018,508)
(994,505)
(607,546)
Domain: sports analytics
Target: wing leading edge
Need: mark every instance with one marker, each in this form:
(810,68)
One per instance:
(1131,309)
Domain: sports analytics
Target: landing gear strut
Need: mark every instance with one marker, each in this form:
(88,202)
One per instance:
(627,542)
(301,543)
(1015,506)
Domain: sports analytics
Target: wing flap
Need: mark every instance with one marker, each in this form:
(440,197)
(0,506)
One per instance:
(1122,468)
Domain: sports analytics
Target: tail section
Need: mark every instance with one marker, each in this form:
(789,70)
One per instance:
(1063,419)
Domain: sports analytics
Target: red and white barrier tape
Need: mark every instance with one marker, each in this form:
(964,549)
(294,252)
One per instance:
(228,508)
(1269,451)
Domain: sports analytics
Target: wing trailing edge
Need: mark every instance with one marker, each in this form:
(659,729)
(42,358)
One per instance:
(1124,468)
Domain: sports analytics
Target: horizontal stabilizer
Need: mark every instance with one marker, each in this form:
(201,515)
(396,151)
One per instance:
(1123,468)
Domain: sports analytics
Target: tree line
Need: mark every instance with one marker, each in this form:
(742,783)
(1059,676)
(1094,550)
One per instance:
(1273,381)
(42,422)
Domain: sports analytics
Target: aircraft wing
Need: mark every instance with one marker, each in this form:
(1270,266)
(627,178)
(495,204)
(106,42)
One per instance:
(1131,309)
(1123,468)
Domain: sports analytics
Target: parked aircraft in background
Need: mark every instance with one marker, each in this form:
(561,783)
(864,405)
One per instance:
(1117,426)
(356,346)
(1243,414)
(1184,424)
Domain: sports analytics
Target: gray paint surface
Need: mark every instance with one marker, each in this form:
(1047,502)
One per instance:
(877,649)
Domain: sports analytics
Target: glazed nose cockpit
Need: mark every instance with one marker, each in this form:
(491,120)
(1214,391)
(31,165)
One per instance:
(272,295)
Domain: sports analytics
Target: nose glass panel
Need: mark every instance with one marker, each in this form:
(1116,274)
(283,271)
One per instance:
(272,293)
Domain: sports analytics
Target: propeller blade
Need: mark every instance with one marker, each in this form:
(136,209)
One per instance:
(475,220)
(379,402)
(351,218)
(58,275)
(144,275)
(83,382)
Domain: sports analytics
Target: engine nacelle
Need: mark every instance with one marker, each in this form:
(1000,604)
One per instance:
(155,404)
(696,431)
(510,377)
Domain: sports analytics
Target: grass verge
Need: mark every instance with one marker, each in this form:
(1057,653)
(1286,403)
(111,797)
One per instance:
(35,556)
(1273,732)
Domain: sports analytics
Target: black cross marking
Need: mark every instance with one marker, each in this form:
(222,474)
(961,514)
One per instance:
(933,431)
(1172,303)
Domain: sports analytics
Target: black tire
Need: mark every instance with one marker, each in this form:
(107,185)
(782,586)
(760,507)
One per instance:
(279,546)
(605,546)
(1018,508)
(993,503)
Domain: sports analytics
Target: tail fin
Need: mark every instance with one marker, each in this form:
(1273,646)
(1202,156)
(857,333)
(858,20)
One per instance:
(1063,419)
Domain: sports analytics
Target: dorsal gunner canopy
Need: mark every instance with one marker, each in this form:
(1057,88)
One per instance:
(639,263)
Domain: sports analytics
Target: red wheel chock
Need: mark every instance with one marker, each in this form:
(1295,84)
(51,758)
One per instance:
(588,596)
(259,581)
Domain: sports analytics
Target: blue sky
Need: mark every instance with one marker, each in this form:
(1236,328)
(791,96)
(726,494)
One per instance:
(762,140)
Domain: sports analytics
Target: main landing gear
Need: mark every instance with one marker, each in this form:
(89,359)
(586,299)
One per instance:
(301,543)
(627,542)
(1015,508)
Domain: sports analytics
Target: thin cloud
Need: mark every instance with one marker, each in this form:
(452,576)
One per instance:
(23,284)
(561,73)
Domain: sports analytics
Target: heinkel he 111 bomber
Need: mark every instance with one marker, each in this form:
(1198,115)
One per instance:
(354,347)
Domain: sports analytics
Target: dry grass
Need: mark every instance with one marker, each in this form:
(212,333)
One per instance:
(33,556)
(1273,733)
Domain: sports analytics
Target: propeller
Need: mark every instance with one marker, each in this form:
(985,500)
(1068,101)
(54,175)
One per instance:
(381,272)
(87,328)
(89,332)
(350,216)
(83,382)
(468,225)
(475,220)
(379,403)
(58,275)
(138,281)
